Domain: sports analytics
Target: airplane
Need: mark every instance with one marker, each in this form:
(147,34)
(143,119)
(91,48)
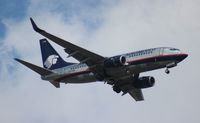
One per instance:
(122,72)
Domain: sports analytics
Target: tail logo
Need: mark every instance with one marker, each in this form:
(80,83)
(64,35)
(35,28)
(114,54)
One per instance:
(51,60)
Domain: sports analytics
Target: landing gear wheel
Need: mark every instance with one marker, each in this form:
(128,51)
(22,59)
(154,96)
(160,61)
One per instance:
(116,89)
(167,71)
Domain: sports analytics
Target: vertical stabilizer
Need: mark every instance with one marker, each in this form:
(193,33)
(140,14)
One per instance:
(51,59)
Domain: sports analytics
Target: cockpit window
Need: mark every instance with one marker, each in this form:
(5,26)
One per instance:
(174,49)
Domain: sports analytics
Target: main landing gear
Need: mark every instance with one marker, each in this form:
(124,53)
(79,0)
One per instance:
(116,89)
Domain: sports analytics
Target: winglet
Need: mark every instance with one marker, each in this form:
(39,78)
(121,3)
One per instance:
(35,27)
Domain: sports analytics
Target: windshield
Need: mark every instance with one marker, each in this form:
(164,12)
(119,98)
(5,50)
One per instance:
(174,49)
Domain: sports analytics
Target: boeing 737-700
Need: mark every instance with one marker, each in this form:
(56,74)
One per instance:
(121,71)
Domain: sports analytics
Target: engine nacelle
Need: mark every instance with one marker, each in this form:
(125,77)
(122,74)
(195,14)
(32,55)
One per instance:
(115,61)
(144,82)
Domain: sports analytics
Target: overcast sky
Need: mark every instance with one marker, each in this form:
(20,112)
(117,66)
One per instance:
(107,28)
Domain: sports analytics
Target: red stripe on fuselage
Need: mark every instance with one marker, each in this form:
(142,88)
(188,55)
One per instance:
(88,71)
(153,57)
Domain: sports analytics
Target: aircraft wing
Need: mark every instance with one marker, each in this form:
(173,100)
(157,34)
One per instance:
(136,94)
(129,88)
(80,54)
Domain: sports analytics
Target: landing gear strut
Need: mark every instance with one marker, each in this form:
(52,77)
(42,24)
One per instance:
(167,71)
(170,65)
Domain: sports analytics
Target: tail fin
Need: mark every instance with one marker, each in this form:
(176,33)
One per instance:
(51,59)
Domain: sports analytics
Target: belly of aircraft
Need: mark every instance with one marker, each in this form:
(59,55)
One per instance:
(82,78)
(148,66)
(116,72)
(135,69)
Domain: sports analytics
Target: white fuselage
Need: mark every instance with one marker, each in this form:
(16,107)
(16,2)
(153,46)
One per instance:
(137,62)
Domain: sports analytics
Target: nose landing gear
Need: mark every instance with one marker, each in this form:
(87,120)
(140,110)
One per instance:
(170,65)
(167,71)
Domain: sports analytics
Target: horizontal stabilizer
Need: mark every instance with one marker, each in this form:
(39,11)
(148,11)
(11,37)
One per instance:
(55,83)
(35,68)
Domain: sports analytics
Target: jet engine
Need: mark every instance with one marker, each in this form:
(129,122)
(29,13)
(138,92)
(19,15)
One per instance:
(115,61)
(144,82)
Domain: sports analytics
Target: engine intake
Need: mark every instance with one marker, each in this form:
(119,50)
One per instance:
(144,82)
(115,61)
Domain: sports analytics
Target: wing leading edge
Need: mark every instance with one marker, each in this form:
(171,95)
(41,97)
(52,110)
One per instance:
(79,53)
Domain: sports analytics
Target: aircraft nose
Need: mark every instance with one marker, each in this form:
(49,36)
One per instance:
(185,56)
(181,57)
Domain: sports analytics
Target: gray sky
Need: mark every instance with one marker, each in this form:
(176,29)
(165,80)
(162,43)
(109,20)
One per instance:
(107,28)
